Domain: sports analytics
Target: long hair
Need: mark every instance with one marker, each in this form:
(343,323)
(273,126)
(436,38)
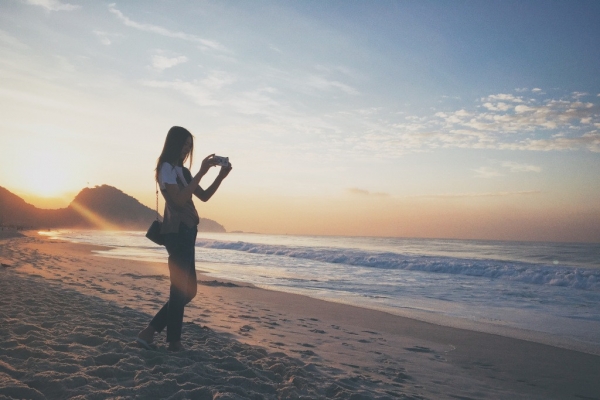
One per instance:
(171,151)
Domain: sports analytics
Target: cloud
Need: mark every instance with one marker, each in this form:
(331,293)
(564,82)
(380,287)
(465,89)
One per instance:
(275,48)
(507,121)
(105,37)
(363,192)
(518,167)
(500,106)
(11,41)
(65,64)
(590,141)
(321,83)
(38,101)
(204,92)
(336,69)
(161,62)
(503,97)
(505,127)
(522,109)
(198,92)
(486,172)
(218,79)
(578,95)
(205,43)
(502,122)
(358,191)
(229,94)
(213,91)
(484,194)
(53,5)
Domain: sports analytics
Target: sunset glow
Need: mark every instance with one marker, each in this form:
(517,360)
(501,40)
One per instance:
(406,118)
(46,176)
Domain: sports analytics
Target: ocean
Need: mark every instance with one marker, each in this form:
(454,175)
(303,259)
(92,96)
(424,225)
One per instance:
(544,292)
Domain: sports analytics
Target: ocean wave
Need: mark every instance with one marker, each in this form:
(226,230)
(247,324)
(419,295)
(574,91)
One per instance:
(553,275)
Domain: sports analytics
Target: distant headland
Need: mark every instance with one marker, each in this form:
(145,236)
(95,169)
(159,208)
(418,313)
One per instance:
(100,207)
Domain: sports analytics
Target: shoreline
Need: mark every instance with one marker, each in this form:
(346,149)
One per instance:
(434,318)
(461,324)
(338,339)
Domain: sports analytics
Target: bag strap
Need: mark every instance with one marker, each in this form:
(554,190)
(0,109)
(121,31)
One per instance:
(157,214)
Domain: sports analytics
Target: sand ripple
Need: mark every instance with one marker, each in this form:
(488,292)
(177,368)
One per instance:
(58,343)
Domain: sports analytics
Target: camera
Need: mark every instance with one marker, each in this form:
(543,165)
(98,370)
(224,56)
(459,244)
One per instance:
(221,161)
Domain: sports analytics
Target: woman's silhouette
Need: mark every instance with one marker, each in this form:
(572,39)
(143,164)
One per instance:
(179,227)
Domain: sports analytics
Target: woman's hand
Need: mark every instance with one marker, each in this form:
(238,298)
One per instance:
(224,171)
(207,163)
(205,195)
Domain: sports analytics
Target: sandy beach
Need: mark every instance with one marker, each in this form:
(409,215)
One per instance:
(68,319)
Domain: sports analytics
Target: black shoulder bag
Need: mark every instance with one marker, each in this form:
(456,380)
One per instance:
(154,230)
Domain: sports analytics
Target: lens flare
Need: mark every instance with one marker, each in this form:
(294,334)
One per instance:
(98,221)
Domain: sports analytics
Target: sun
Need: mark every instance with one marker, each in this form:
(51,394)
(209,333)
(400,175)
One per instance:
(46,175)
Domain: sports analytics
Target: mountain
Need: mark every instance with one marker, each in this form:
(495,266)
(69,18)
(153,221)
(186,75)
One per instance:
(101,207)
(15,211)
(110,206)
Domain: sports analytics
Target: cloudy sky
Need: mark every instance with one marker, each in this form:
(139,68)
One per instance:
(462,119)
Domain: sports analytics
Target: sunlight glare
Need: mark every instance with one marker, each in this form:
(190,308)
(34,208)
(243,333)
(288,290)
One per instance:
(46,174)
(98,221)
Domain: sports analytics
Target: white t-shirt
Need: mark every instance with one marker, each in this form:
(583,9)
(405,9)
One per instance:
(168,175)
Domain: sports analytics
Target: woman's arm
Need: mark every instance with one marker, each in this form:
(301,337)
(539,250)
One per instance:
(180,197)
(205,195)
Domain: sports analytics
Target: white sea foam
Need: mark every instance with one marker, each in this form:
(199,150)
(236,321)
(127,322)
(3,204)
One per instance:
(578,278)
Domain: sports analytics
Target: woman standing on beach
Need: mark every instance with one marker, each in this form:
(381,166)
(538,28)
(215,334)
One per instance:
(179,229)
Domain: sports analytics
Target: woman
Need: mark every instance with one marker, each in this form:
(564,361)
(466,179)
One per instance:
(179,228)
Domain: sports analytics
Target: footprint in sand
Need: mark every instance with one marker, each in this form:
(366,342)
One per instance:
(401,377)
(305,353)
(419,349)
(248,316)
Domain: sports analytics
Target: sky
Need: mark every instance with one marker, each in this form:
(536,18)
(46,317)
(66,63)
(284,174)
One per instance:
(439,119)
